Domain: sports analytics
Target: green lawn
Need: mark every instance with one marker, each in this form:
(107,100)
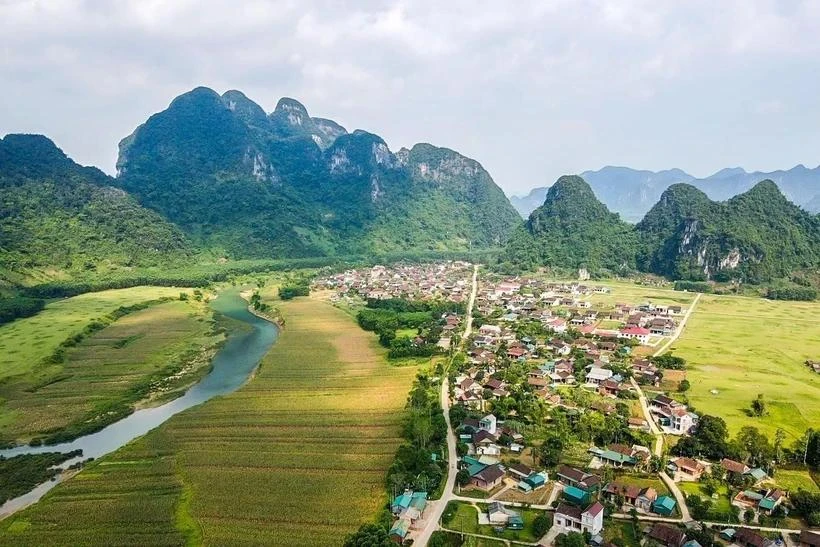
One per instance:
(622,530)
(297,456)
(25,342)
(739,347)
(721,510)
(105,373)
(794,480)
(466,520)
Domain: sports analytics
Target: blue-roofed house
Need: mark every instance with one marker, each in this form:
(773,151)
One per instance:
(399,530)
(576,496)
(664,505)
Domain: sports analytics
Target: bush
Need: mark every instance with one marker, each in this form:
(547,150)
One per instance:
(288,292)
(20,306)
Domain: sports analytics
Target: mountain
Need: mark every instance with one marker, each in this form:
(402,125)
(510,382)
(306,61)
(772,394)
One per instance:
(756,236)
(573,229)
(251,184)
(632,192)
(59,215)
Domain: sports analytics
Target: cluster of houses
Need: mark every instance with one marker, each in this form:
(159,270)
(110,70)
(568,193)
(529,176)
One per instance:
(561,306)
(407,508)
(450,281)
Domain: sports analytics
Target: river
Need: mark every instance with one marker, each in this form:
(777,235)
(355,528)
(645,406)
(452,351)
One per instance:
(232,365)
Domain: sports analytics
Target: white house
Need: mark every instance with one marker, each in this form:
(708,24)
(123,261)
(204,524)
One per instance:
(489,424)
(569,518)
(598,375)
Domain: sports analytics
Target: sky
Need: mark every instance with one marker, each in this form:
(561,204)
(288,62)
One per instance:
(531,89)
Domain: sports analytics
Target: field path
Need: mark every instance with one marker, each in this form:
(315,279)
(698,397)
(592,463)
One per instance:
(437,510)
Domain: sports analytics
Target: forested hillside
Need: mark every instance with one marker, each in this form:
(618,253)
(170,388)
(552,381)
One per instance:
(249,184)
(55,214)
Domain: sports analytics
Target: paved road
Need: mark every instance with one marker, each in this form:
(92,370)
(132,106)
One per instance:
(658,448)
(437,510)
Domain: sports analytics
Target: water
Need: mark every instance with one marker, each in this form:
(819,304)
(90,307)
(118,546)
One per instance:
(232,366)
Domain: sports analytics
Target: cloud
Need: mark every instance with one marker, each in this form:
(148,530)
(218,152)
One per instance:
(532,89)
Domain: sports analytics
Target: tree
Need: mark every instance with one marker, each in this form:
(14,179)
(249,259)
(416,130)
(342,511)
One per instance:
(540,525)
(369,535)
(549,453)
(755,445)
(684,386)
(748,516)
(573,539)
(759,406)
(463,477)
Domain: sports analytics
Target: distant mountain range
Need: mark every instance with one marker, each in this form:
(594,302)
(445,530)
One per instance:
(755,236)
(632,192)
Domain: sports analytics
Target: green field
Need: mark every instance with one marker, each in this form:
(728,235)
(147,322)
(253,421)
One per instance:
(298,456)
(466,520)
(743,346)
(721,510)
(25,342)
(108,370)
(794,480)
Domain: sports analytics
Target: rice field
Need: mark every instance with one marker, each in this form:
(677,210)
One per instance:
(26,342)
(99,372)
(738,347)
(298,456)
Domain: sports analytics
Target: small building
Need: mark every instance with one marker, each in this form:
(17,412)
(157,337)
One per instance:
(667,535)
(692,469)
(576,496)
(399,531)
(746,537)
(488,477)
(646,499)
(498,514)
(664,505)
(809,538)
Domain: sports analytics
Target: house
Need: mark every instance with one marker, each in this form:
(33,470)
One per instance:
(575,477)
(499,515)
(619,455)
(731,466)
(487,478)
(646,499)
(667,535)
(596,376)
(519,470)
(488,423)
(672,414)
(691,469)
(746,537)
(576,496)
(635,333)
(569,518)
(399,531)
(664,505)
(626,492)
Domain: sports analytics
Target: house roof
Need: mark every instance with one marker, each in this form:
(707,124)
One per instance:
(747,536)
(666,535)
(809,537)
(521,469)
(575,494)
(491,473)
(666,502)
(569,511)
(400,528)
(594,509)
(733,466)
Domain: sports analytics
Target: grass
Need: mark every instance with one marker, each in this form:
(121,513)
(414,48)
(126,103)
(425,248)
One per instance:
(298,456)
(105,370)
(721,510)
(740,347)
(466,520)
(26,342)
(623,531)
(794,480)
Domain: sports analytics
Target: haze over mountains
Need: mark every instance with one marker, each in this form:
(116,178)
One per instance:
(632,192)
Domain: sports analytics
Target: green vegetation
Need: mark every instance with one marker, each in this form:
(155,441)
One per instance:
(301,452)
(21,473)
(57,214)
(465,520)
(27,342)
(755,237)
(281,193)
(96,376)
(287,292)
(572,229)
(770,344)
(19,306)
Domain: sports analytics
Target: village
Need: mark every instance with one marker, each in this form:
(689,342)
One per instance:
(563,406)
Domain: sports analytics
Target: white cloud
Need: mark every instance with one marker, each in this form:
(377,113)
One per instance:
(531,89)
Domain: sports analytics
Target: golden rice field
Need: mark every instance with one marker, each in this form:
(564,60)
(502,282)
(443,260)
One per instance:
(296,457)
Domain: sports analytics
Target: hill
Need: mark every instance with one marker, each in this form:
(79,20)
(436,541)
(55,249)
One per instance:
(756,236)
(59,215)
(250,184)
(632,192)
(573,229)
